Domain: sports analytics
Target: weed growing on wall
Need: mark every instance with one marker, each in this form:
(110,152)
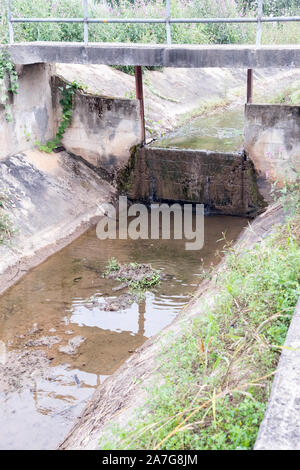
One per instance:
(8,82)
(66,101)
(6,228)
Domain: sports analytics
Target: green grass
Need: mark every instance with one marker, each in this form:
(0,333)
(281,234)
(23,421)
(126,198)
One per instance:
(215,379)
(209,105)
(6,229)
(289,96)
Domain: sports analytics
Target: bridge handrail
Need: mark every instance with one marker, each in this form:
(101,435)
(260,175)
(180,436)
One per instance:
(259,19)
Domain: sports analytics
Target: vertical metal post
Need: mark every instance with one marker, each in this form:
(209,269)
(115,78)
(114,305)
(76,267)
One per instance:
(141,321)
(140,96)
(258,27)
(249,86)
(85,24)
(10,26)
(168,26)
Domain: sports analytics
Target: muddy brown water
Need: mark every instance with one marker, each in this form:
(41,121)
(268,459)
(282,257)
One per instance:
(64,298)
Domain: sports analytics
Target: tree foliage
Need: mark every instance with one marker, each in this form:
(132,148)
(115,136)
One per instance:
(271,7)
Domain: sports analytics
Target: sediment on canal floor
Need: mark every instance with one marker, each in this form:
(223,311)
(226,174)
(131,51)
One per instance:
(116,400)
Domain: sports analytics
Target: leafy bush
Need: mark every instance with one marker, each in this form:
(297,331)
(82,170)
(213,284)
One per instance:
(272,7)
(146,33)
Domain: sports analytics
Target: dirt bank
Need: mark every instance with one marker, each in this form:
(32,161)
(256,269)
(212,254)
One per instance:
(51,199)
(116,399)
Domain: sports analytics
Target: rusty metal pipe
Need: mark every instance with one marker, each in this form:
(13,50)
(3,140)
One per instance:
(249,86)
(140,96)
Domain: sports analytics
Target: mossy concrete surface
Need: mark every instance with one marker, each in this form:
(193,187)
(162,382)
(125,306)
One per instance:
(103,128)
(224,182)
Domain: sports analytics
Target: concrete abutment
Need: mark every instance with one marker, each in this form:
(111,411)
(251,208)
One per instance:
(224,182)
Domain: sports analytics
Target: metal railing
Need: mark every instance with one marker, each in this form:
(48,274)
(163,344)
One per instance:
(259,19)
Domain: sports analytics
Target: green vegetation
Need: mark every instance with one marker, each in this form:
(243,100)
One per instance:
(6,229)
(272,7)
(8,82)
(150,33)
(289,196)
(273,33)
(215,379)
(67,91)
(143,284)
(290,95)
(209,105)
(138,277)
(112,265)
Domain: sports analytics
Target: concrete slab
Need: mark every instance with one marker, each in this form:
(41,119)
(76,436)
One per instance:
(280,429)
(229,56)
(51,199)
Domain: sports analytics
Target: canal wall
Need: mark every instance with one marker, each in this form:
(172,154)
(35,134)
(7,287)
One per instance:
(272,139)
(50,199)
(224,182)
(30,110)
(103,129)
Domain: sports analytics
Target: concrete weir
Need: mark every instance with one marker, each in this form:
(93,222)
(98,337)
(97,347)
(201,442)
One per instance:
(224,182)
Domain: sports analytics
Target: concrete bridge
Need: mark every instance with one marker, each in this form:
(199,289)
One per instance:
(161,55)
